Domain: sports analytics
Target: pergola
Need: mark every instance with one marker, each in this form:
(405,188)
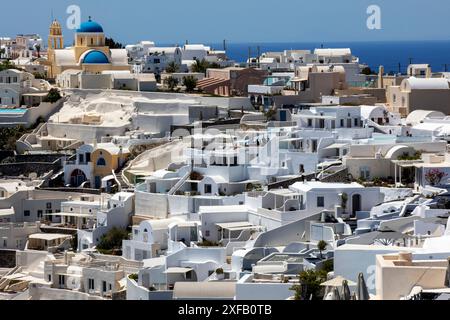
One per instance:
(401,164)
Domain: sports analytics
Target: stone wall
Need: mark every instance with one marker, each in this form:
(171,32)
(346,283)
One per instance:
(26,168)
(340,176)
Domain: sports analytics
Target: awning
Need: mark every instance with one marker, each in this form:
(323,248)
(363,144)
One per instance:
(73,214)
(70,275)
(336,146)
(296,79)
(177,270)
(235,225)
(6,212)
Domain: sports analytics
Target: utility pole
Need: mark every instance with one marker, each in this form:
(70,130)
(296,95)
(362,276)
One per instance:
(249,56)
(410,60)
(399,68)
(445,67)
(224,45)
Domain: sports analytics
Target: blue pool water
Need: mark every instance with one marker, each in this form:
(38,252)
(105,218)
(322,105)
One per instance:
(3,110)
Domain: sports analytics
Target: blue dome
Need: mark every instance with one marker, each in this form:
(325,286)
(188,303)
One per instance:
(90,27)
(96,57)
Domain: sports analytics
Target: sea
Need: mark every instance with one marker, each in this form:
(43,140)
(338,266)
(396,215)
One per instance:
(395,56)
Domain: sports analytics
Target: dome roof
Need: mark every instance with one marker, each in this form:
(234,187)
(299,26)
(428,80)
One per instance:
(90,27)
(95,57)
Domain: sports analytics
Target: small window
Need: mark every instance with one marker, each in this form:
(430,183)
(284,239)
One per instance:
(26,213)
(49,205)
(207,233)
(39,213)
(320,202)
(208,188)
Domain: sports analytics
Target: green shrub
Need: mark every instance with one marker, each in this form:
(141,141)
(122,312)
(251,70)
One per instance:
(112,240)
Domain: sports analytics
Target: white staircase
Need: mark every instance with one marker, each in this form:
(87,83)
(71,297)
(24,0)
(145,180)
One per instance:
(179,184)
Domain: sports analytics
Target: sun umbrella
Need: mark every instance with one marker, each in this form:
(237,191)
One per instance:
(361,288)
(337,282)
(345,294)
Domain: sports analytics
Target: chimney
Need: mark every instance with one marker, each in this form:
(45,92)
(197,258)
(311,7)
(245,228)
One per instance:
(428,75)
(380,77)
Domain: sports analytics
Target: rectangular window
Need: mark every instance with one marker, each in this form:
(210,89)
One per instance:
(49,278)
(342,123)
(104,286)
(356,122)
(49,205)
(208,188)
(26,213)
(39,213)
(91,284)
(309,122)
(320,202)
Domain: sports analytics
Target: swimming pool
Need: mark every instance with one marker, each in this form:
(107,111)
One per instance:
(3,110)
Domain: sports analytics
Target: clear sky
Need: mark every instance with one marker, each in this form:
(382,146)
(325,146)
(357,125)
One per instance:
(211,21)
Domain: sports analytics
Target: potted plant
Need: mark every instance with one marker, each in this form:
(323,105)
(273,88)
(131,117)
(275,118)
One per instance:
(322,246)
(220,273)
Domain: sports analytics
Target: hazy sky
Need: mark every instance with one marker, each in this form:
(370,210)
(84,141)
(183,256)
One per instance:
(174,21)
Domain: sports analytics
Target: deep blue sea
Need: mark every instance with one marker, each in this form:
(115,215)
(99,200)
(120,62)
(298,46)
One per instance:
(388,54)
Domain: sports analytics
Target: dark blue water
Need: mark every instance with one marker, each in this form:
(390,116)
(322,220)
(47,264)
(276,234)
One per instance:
(388,54)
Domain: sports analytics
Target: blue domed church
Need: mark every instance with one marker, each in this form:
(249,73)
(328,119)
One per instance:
(89,53)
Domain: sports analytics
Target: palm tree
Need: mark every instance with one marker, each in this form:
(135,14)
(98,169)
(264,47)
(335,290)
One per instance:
(38,50)
(172,67)
(322,245)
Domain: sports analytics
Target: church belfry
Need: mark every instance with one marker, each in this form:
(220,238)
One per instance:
(55,38)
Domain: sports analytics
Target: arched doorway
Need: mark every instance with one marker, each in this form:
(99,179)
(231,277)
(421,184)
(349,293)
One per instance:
(77,178)
(356,203)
